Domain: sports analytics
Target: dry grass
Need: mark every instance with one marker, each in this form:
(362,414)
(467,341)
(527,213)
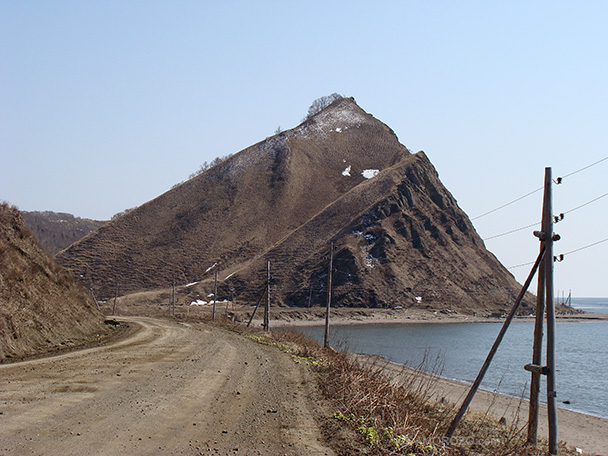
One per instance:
(42,308)
(388,414)
(397,236)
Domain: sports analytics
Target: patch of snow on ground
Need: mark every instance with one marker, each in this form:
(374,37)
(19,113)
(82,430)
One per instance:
(328,120)
(369,173)
(198,302)
(346,172)
(339,130)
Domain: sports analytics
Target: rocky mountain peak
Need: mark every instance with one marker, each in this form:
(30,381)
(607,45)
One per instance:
(341,176)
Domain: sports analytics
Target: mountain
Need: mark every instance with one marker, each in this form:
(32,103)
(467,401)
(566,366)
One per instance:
(57,230)
(42,307)
(341,176)
(399,239)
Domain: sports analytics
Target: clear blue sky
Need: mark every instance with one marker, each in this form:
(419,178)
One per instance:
(106,105)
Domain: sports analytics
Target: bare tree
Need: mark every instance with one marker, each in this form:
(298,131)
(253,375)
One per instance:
(205,166)
(121,213)
(321,103)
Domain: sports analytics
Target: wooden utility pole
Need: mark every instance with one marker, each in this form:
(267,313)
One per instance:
(257,305)
(310,295)
(486,364)
(173,296)
(545,302)
(115,297)
(267,309)
(232,300)
(329,277)
(545,299)
(549,239)
(214,293)
(94,298)
(537,353)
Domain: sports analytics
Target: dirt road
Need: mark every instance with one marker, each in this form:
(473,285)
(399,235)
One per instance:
(171,388)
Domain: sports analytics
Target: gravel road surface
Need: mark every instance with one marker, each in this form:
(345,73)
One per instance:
(170,388)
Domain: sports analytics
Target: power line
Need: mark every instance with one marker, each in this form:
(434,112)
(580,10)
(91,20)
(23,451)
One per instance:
(587,203)
(520,265)
(585,167)
(538,189)
(564,254)
(585,247)
(507,204)
(534,224)
(512,231)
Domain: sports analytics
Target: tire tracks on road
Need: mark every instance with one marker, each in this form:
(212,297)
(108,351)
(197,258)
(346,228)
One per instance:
(171,388)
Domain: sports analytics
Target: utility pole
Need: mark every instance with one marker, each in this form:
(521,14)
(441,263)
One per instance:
(549,239)
(173,296)
(115,297)
(267,309)
(329,277)
(545,302)
(214,293)
(256,307)
(310,295)
(537,353)
(93,295)
(486,364)
(545,299)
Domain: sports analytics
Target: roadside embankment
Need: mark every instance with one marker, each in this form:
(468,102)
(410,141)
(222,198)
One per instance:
(577,430)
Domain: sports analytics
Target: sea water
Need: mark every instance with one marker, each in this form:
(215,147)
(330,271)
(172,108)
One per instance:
(458,350)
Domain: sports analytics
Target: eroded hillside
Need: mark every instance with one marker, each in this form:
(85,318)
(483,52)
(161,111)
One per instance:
(341,176)
(399,239)
(42,307)
(239,208)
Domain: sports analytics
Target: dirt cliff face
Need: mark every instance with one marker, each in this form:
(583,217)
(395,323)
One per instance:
(340,176)
(42,307)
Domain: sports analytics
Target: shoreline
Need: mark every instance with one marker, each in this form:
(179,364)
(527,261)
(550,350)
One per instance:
(577,429)
(344,317)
